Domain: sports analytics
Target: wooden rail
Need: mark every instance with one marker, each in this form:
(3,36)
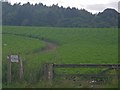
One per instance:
(86,65)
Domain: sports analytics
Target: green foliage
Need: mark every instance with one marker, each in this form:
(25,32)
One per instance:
(55,16)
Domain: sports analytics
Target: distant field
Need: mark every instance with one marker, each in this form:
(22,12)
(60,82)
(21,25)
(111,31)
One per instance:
(75,45)
(72,45)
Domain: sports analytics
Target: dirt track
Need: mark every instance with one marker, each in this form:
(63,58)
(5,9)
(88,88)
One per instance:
(49,46)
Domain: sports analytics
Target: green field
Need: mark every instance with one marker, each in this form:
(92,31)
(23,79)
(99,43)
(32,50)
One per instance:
(68,46)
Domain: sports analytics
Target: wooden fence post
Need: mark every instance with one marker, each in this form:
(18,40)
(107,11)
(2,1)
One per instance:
(48,71)
(21,68)
(9,75)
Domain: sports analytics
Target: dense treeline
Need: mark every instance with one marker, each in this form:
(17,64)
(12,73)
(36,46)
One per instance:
(55,16)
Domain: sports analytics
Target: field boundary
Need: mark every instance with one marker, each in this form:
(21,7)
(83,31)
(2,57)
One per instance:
(49,72)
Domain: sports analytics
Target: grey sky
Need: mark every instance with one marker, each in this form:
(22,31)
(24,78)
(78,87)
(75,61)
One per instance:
(101,7)
(90,5)
(119,6)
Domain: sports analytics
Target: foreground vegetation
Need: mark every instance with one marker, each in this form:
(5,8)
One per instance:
(73,45)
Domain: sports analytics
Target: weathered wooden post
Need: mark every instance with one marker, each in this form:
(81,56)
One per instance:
(48,71)
(21,68)
(9,70)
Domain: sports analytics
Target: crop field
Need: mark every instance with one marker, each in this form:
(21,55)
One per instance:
(39,45)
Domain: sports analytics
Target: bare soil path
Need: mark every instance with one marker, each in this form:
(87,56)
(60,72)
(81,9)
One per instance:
(50,46)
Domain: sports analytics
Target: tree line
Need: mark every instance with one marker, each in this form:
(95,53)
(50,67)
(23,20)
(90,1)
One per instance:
(55,16)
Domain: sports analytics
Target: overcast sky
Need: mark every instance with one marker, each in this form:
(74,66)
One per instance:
(93,6)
